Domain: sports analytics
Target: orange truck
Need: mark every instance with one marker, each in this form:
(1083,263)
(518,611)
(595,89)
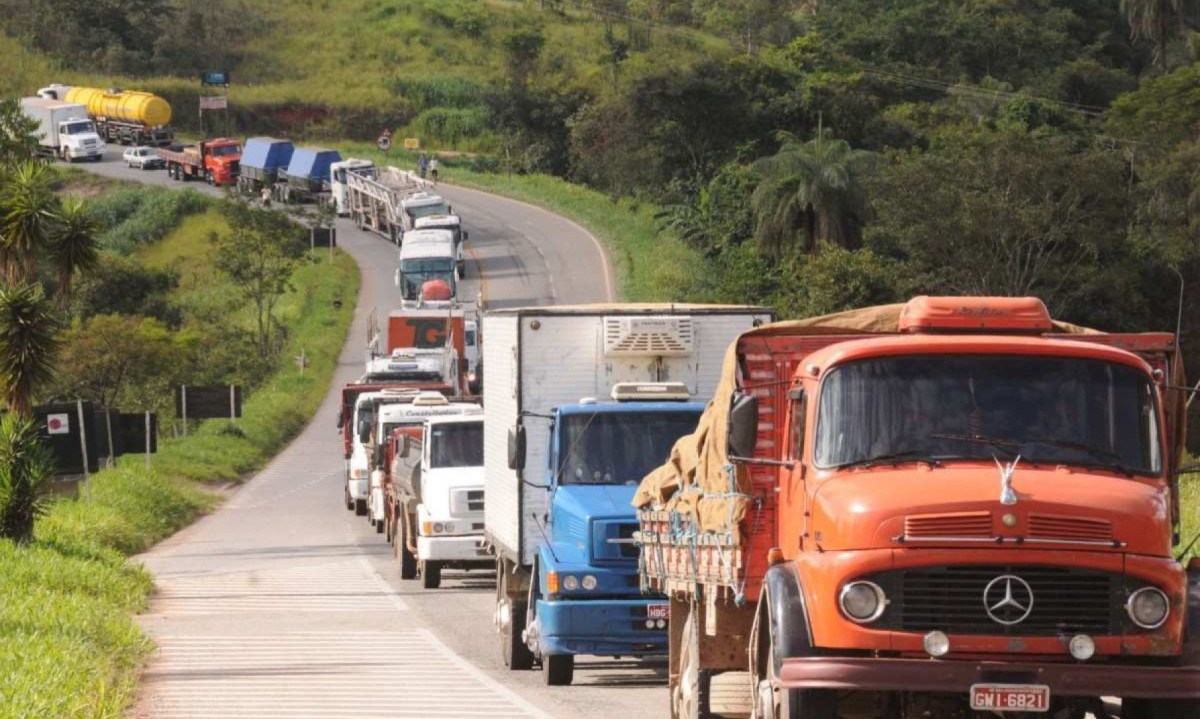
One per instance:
(214,161)
(953,507)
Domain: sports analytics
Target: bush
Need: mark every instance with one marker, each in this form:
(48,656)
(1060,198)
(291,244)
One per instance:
(148,217)
(438,91)
(450,126)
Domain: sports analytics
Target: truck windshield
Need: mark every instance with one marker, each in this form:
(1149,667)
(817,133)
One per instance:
(78,128)
(415,273)
(226,150)
(1057,410)
(425,210)
(618,447)
(456,445)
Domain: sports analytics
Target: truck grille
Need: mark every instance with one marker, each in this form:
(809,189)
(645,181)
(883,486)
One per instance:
(951,599)
(466,501)
(621,549)
(475,500)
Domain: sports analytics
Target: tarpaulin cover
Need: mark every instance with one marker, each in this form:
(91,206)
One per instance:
(696,479)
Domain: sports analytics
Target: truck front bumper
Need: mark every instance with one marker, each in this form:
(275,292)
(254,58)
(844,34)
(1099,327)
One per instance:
(453,549)
(607,627)
(1077,679)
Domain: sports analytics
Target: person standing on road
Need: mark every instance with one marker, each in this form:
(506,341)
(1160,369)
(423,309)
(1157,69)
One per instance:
(422,165)
(266,196)
(433,165)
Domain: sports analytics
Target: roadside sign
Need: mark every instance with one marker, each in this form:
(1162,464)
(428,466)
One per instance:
(384,142)
(215,102)
(412,143)
(323,237)
(58,423)
(208,402)
(216,78)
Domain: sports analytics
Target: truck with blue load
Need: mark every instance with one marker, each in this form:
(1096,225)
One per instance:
(579,402)
(307,177)
(262,159)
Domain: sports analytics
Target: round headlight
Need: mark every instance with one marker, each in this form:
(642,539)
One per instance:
(437,527)
(570,582)
(862,602)
(1148,607)
(937,644)
(448,527)
(1082,647)
(589,582)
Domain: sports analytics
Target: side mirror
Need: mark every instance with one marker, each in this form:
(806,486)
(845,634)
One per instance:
(380,456)
(516,447)
(466,235)
(396,277)
(743,426)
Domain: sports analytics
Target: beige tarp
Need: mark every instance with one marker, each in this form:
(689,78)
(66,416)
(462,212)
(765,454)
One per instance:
(695,479)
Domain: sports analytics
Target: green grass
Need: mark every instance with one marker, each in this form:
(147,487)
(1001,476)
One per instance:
(651,265)
(68,644)
(186,248)
(1189,495)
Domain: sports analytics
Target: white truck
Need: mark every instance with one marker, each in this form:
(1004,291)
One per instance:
(435,495)
(427,257)
(561,464)
(453,224)
(64,129)
(338,181)
(363,438)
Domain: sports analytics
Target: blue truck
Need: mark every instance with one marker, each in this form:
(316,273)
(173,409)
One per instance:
(580,403)
(307,177)
(262,159)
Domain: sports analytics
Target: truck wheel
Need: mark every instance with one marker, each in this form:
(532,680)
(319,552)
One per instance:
(772,702)
(408,561)
(345,489)
(360,507)
(379,527)
(510,614)
(208,177)
(431,575)
(559,669)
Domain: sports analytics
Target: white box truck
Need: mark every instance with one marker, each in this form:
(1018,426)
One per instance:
(64,129)
(562,461)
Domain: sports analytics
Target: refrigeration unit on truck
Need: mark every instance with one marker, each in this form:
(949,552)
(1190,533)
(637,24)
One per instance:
(435,494)
(953,507)
(127,117)
(375,200)
(307,176)
(64,129)
(215,161)
(579,403)
(428,261)
(262,159)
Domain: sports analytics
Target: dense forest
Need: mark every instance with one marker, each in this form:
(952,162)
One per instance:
(819,155)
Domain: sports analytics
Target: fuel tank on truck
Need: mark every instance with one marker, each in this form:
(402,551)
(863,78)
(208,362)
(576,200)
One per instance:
(142,108)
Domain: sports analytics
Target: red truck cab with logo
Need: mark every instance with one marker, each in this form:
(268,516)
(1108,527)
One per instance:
(973,511)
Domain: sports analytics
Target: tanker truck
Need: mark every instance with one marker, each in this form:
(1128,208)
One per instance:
(127,117)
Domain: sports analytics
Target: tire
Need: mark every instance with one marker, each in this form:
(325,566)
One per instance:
(431,575)
(379,527)
(689,699)
(559,669)
(345,490)
(408,561)
(776,703)
(208,177)
(516,655)
(360,507)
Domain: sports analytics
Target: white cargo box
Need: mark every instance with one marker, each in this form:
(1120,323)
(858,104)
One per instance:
(540,358)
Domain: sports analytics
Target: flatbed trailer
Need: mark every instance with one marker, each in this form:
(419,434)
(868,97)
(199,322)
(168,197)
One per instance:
(376,203)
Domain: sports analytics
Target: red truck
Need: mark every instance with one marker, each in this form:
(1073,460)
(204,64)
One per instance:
(955,507)
(214,161)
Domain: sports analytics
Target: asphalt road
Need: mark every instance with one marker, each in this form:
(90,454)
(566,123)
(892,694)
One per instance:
(284,604)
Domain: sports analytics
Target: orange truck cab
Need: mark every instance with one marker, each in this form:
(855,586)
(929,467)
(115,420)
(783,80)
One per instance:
(217,161)
(966,510)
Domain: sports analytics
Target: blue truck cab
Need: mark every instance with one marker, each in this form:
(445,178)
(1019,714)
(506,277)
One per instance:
(585,596)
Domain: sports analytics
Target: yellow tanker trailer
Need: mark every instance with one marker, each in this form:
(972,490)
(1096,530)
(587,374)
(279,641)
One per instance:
(125,116)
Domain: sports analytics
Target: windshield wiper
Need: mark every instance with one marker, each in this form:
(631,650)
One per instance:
(894,458)
(1005,444)
(1102,453)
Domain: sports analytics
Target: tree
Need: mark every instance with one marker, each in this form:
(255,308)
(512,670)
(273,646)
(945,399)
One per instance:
(25,465)
(28,344)
(814,189)
(18,138)
(123,362)
(73,246)
(522,50)
(28,216)
(259,253)
(1159,21)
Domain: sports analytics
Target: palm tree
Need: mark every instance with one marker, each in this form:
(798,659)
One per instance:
(25,465)
(28,214)
(28,344)
(815,187)
(1158,21)
(73,245)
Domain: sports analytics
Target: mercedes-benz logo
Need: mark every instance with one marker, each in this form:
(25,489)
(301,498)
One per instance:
(1008,599)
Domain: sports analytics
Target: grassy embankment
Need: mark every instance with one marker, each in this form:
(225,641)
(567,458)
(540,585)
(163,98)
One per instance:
(68,644)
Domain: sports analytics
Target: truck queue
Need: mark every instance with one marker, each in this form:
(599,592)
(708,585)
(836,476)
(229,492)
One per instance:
(951,507)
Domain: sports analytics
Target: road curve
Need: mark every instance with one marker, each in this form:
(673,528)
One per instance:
(283,604)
